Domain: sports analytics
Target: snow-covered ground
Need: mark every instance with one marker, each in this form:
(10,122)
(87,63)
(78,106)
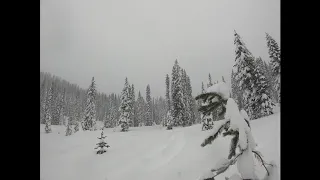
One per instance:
(146,153)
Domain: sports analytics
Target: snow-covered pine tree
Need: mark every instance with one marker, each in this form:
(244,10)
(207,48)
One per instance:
(169,120)
(72,110)
(106,120)
(133,98)
(47,110)
(209,81)
(176,95)
(42,101)
(168,104)
(69,128)
(202,88)
(155,111)
(244,72)
(102,144)
(149,119)
(263,104)
(191,103)
(124,108)
(76,126)
(140,110)
(271,81)
(112,113)
(61,107)
(185,108)
(236,92)
(235,125)
(89,120)
(162,110)
(78,109)
(233,87)
(275,56)
(54,104)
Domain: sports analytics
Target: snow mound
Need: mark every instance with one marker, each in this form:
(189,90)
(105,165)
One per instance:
(245,165)
(235,177)
(220,88)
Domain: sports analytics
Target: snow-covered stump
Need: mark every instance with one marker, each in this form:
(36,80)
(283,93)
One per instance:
(237,125)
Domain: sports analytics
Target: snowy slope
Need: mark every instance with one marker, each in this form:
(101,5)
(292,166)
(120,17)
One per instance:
(146,152)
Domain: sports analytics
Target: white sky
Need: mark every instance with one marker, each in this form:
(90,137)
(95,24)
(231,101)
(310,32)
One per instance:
(140,39)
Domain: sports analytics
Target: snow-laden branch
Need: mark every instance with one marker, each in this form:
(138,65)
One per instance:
(216,130)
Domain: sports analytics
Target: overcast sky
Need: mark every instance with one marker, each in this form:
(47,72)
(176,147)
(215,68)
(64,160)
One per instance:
(140,39)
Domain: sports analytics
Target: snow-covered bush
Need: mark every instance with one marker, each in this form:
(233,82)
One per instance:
(237,125)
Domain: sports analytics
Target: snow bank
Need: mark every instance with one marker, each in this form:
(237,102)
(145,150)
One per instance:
(245,165)
(137,154)
(235,177)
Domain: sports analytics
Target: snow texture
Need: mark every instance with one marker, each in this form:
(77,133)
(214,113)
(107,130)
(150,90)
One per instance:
(235,177)
(221,163)
(146,153)
(245,165)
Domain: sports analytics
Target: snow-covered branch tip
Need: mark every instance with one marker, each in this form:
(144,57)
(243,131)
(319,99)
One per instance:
(223,165)
(258,155)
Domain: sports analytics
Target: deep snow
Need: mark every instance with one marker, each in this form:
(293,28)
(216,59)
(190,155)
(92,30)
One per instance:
(145,153)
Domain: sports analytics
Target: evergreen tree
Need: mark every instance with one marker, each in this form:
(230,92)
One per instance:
(242,148)
(275,56)
(42,101)
(176,95)
(47,110)
(168,92)
(54,104)
(102,144)
(149,120)
(61,107)
(244,66)
(106,120)
(76,127)
(69,129)
(263,104)
(72,110)
(90,111)
(210,81)
(185,105)
(140,110)
(202,88)
(78,109)
(125,107)
(236,92)
(191,103)
(132,105)
(271,81)
(169,120)
(112,115)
